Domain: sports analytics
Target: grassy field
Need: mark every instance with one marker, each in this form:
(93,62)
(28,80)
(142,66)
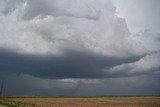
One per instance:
(81,101)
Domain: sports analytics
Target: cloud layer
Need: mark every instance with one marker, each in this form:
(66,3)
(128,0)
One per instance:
(76,39)
(80,47)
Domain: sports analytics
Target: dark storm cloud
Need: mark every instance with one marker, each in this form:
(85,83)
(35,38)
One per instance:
(72,46)
(70,65)
(137,85)
(60,39)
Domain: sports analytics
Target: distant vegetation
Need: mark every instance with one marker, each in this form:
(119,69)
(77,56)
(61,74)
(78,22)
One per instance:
(10,103)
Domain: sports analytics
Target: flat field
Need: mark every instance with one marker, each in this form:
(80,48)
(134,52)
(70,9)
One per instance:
(148,101)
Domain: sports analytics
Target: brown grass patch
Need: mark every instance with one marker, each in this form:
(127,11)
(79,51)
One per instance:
(92,101)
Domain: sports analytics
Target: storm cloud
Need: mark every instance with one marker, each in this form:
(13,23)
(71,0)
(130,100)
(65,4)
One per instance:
(80,39)
(70,65)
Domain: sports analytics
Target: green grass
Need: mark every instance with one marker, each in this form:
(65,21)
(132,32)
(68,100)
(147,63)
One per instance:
(9,103)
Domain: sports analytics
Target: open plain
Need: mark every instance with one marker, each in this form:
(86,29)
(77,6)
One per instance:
(82,101)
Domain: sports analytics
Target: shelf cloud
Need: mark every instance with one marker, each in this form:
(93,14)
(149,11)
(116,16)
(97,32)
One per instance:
(63,39)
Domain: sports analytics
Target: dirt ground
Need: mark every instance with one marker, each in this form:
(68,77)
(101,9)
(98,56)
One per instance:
(2,106)
(92,101)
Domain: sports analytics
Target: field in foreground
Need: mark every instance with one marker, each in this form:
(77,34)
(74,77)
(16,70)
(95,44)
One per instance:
(82,102)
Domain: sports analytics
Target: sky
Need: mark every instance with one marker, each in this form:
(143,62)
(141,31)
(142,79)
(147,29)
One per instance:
(80,47)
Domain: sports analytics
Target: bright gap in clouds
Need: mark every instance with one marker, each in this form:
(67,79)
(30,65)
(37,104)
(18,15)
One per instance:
(139,15)
(80,39)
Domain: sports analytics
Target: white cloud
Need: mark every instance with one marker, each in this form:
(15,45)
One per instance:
(149,63)
(139,14)
(94,27)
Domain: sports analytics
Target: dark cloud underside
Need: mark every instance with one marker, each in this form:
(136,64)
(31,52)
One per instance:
(80,43)
(71,65)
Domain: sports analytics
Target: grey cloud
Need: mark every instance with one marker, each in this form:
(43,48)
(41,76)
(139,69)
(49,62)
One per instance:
(35,8)
(70,65)
(55,33)
(85,39)
(9,6)
(73,8)
(62,46)
(147,64)
(54,8)
(77,47)
(138,85)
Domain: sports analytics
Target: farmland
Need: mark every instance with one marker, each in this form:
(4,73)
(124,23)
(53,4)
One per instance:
(148,101)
